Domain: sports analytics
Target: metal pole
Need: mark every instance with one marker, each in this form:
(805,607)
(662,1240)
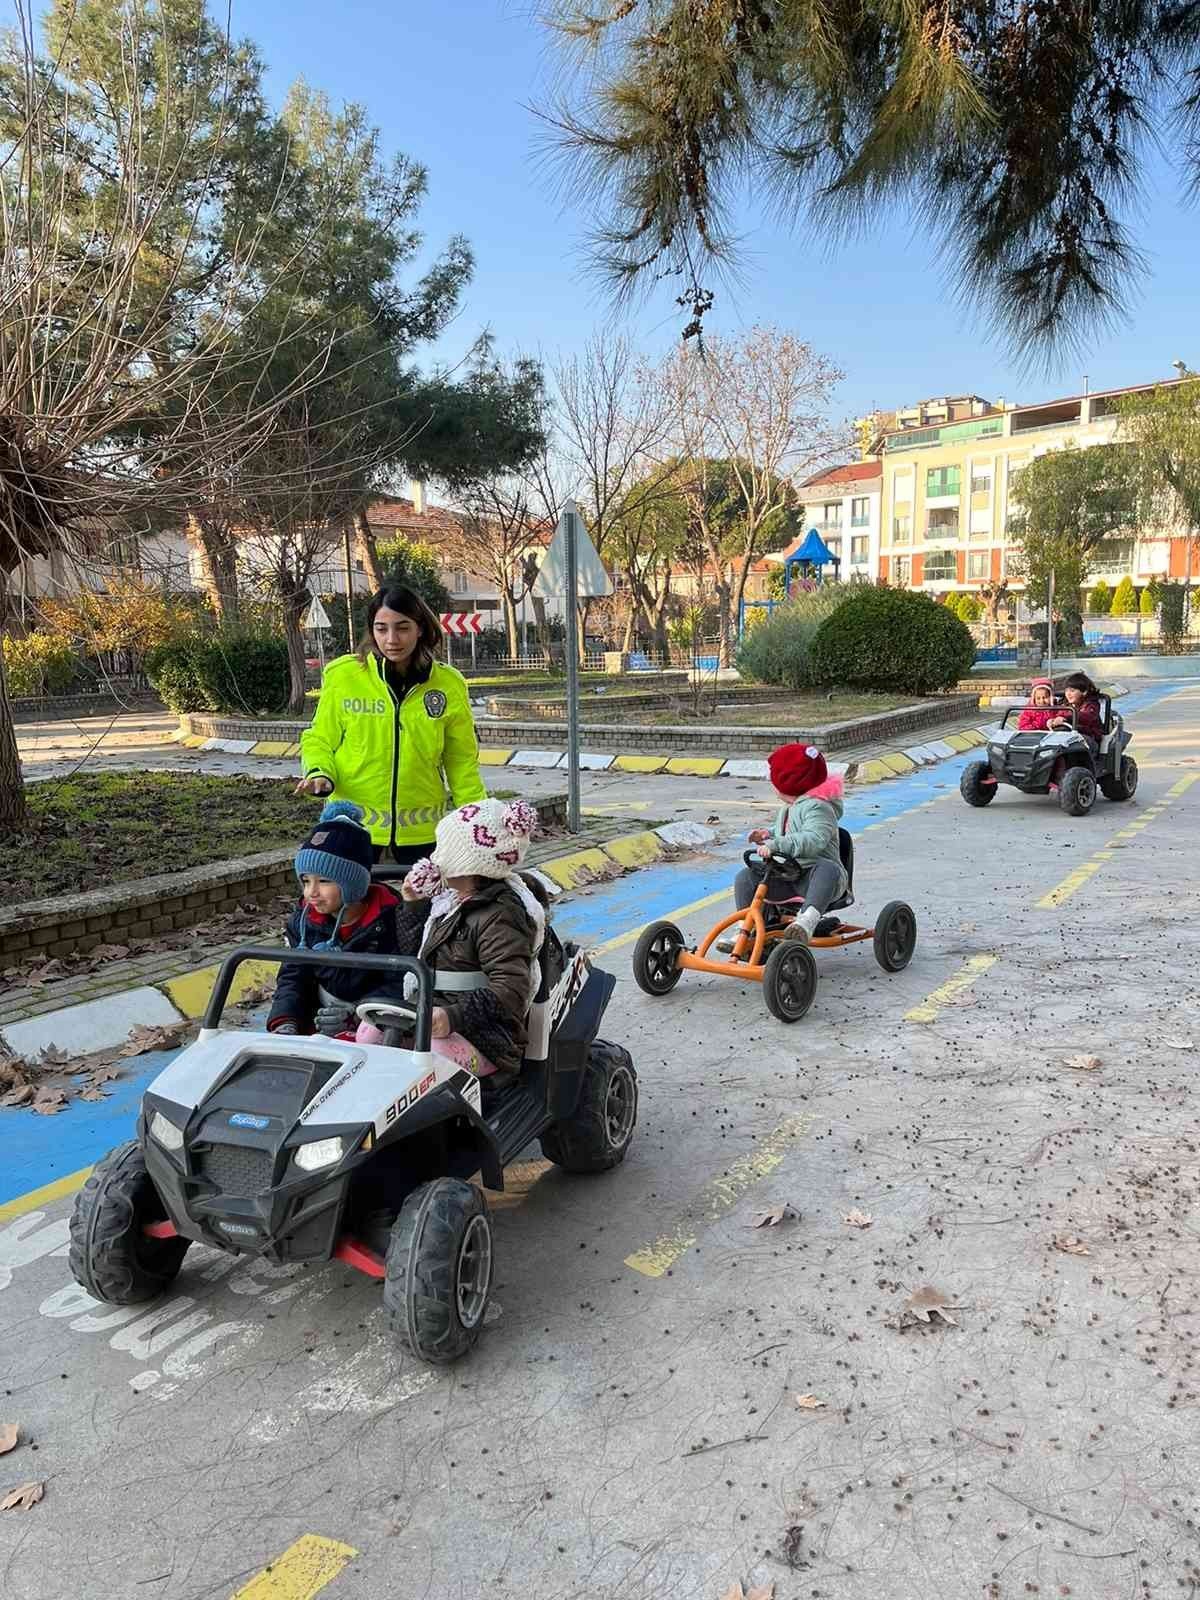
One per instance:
(572,642)
(1050,629)
(349,585)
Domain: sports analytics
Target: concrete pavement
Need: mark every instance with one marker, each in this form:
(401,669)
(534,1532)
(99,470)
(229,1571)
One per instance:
(628,1427)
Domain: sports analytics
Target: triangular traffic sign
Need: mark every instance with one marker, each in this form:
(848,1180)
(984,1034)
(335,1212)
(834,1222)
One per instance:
(591,578)
(316,616)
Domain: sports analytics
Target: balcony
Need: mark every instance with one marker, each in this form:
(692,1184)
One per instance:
(942,533)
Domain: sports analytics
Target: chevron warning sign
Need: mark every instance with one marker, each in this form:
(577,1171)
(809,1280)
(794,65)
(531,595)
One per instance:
(460,623)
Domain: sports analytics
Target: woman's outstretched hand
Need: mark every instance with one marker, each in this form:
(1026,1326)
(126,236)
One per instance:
(315,784)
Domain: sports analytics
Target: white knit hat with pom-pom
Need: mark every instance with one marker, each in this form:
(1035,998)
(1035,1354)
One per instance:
(485,839)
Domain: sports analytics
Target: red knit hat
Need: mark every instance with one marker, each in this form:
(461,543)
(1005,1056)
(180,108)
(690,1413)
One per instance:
(797,768)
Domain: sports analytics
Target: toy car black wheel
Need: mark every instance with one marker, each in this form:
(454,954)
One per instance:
(111,1255)
(1077,792)
(597,1135)
(895,936)
(438,1272)
(972,787)
(1123,787)
(655,958)
(789,980)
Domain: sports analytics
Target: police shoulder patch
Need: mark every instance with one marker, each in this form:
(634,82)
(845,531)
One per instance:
(435,702)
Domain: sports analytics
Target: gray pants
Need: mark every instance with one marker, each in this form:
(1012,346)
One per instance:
(822,884)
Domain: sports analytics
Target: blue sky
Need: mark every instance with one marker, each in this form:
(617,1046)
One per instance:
(449,83)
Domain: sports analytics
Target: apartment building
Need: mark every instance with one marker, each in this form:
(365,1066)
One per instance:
(947,491)
(843,505)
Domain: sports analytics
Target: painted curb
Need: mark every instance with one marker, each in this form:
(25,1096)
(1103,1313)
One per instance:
(91,1025)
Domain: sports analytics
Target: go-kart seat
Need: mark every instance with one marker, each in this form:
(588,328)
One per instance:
(846,852)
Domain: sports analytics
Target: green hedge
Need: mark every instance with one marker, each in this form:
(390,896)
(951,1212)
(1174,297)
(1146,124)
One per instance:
(778,650)
(230,670)
(892,639)
(41,663)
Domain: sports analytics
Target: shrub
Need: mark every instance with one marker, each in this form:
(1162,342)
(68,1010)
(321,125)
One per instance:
(778,649)
(40,663)
(1100,600)
(1148,602)
(231,669)
(1124,600)
(970,608)
(892,639)
(1173,611)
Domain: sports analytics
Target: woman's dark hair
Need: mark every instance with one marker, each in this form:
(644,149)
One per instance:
(1080,680)
(399,597)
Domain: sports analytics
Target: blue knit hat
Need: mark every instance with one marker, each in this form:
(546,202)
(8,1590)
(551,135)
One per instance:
(339,848)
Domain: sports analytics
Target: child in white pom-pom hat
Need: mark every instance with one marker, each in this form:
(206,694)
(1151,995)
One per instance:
(479,924)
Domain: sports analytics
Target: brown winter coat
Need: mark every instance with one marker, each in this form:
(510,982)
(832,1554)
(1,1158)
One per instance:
(492,933)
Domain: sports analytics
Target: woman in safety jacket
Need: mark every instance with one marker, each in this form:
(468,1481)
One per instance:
(393,730)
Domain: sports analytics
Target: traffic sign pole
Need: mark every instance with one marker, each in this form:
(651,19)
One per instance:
(571,530)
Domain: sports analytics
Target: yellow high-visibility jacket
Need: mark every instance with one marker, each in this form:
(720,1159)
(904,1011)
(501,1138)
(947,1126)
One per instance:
(396,759)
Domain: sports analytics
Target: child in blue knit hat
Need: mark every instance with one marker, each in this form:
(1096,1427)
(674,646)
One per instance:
(340,909)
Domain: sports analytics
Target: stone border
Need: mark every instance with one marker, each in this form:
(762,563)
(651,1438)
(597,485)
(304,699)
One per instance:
(59,707)
(609,707)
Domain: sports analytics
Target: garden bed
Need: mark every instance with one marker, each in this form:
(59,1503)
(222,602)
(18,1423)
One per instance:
(775,709)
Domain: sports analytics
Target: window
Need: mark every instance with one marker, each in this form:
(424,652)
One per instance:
(860,512)
(1112,558)
(834,546)
(902,571)
(942,481)
(942,523)
(831,514)
(981,483)
(459,585)
(860,550)
(979,563)
(940,566)
(902,530)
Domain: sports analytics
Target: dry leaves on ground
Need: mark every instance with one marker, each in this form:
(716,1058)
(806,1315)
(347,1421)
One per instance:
(8,1437)
(808,1402)
(922,1307)
(48,1102)
(143,1038)
(1082,1063)
(22,1497)
(1071,1246)
(761,1591)
(774,1215)
(20,1096)
(858,1219)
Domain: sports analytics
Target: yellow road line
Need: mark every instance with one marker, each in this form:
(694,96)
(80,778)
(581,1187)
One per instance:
(970,970)
(301,1571)
(1074,881)
(655,1258)
(672,916)
(49,1192)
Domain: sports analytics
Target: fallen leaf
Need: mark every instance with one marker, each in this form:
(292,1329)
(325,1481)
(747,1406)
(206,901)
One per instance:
(142,1039)
(1082,1063)
(109,952)
(92,1093)
(24,1496)
(858,1219)
(1178,1044)
(761,1591)
(52,1056)
(921,1308)
(103,1072)
(44,974)
(8,1437)
(20,1096)
(774,1216)
(47,1102)
(808,1402)
(1071,1246)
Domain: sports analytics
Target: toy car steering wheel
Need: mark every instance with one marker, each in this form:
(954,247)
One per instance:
(385,1013)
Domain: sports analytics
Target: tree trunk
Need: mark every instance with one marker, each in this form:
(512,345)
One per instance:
(12,785)
(541,624)
(217,547)
(723,621)
(509,606)
(367,550)
(739,590)
(293,614)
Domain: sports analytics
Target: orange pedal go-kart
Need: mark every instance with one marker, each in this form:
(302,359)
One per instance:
(784,967)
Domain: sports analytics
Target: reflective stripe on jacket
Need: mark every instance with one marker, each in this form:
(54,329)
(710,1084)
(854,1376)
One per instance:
(399,761)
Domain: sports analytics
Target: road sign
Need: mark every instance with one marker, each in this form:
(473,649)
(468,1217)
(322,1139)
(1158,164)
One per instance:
(460,623)
(591,578)
(316,616)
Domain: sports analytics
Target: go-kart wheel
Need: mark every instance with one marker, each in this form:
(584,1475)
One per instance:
(789,980)
(1077,792)
(972,787)
(655,967)
(596,1136)
(895,936)
(438,1272)
(111,1256)
(1123,787)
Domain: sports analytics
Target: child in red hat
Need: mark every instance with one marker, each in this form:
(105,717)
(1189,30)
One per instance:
(805,832)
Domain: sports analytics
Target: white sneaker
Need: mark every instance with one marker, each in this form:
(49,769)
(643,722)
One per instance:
(805,925)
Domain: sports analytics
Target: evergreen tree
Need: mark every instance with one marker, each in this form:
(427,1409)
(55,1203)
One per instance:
(1124,600)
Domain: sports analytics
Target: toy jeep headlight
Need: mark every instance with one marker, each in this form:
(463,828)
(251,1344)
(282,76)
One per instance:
(165,1131)
(320,1153)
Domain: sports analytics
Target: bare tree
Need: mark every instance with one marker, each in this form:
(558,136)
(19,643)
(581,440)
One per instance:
(751,419)
(497,529)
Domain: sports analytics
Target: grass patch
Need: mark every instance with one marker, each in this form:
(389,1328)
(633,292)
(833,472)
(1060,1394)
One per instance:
(798,711)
